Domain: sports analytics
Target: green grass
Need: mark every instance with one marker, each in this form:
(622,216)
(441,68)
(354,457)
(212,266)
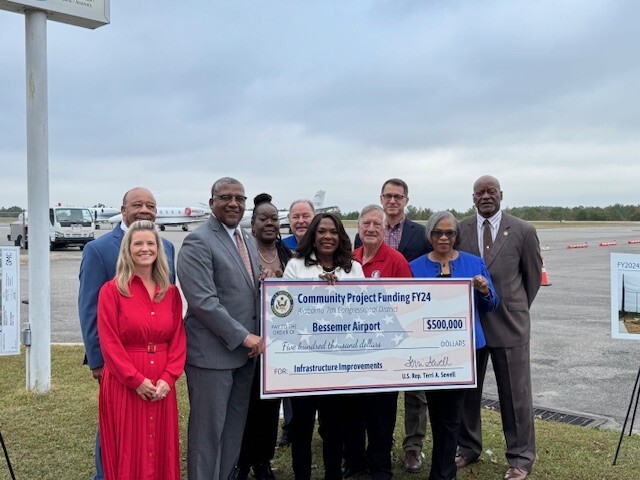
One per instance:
(51,436)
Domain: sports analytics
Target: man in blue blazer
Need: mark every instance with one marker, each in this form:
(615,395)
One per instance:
(408,238)
(98,266)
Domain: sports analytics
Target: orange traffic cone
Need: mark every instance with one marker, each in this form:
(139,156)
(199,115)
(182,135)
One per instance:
(545,279)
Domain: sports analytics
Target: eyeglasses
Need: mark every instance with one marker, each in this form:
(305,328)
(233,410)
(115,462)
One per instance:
(228,198)
(389,196)
(446,233)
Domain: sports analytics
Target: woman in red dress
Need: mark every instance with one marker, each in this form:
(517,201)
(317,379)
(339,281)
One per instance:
(144,348)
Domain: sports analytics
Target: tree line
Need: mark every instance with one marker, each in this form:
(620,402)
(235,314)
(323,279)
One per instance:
(612,213)
(11,212)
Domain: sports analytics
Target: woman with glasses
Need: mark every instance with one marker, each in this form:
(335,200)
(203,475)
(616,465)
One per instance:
(445,406)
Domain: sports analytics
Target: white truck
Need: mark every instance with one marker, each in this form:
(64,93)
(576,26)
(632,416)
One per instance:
(69,227)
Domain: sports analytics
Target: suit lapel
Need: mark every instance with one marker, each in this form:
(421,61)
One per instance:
(253,255)
(221,233)
(501,239)
(407,233)
(117,234)
(470,233)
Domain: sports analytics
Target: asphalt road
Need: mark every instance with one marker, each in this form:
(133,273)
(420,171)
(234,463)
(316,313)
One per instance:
(576,366)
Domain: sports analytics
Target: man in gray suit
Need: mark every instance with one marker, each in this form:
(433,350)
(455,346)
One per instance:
(510,248)
(218,271)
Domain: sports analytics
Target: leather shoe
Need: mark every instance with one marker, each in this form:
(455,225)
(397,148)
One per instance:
(354,473)
(283,441)
(263,471)
(516,474)
(412,461)
(462,462)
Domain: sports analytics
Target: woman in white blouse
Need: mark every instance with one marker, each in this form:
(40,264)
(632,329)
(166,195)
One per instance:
(324,253)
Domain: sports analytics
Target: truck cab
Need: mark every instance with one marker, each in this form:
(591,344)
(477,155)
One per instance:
(68,227)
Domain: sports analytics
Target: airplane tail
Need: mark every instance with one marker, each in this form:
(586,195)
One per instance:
(318,199)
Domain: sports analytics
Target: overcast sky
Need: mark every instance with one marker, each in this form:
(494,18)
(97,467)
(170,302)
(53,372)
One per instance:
(291,97)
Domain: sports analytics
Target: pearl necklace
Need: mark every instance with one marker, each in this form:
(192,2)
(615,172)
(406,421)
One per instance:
(268,262)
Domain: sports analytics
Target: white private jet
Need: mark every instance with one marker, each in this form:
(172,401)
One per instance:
(283,215)
(168,216)
(103,214)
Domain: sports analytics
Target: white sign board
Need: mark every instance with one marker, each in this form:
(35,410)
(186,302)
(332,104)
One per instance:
(625,296)
(10,301)
(370,335)
(83,13)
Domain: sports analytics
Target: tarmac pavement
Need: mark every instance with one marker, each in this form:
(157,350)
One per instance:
(576,366)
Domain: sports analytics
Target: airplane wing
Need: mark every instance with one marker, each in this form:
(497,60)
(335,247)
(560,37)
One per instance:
(171,216)
(103,214)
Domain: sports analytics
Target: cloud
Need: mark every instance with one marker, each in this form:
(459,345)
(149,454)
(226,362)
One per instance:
(294,97)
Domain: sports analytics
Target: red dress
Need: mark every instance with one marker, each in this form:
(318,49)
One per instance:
(139,339)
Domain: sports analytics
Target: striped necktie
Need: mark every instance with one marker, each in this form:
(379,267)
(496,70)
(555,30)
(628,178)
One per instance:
(244,253)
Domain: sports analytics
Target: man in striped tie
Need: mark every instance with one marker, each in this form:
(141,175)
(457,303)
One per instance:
(218,270)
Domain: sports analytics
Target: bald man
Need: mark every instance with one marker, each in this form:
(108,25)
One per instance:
(511,251)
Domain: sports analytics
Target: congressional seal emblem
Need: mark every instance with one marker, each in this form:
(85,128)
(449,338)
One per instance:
(281,303)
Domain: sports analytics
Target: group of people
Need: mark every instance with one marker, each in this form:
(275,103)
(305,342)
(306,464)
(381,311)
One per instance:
(138,344)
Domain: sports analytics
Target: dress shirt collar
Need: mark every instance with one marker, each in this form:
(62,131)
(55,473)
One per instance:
(494,221)
(230,231)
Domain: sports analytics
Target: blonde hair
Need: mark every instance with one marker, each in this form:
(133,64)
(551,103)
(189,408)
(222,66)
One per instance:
(125,267)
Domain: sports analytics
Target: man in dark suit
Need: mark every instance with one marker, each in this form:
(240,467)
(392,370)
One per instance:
(98,266)
(511,251)
(408,238)
(218,270)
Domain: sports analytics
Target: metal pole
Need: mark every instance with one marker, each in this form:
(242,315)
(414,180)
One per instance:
(635,393)
(39,353)
(6,456)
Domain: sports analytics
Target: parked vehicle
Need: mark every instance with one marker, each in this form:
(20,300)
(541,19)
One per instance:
(69,227)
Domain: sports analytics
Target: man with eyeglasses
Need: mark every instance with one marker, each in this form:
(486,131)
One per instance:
(408,238)
(511,251)
(218,270)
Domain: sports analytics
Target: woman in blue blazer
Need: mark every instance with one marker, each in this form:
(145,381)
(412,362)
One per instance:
(445,406)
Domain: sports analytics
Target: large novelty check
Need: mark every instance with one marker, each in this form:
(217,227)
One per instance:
(367,336)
